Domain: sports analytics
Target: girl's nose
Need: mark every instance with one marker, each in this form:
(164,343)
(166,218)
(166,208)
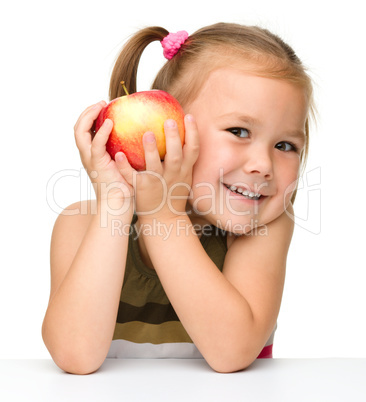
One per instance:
(259,162)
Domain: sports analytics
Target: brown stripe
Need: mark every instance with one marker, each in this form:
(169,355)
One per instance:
(140,332)
(152,313)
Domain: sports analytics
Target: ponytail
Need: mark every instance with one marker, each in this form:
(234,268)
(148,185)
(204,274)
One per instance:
(125,68)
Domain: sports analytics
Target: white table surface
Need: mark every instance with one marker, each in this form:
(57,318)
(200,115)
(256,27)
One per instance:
(186,380)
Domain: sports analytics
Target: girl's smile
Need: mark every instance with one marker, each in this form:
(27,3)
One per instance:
(252,133)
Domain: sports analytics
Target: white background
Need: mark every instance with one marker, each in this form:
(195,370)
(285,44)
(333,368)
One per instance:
(57,59)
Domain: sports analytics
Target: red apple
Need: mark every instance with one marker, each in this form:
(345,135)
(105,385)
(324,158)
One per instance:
(135,114)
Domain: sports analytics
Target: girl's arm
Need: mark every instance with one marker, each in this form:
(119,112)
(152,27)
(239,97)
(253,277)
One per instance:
(87,269)
(88,257)
(228,315)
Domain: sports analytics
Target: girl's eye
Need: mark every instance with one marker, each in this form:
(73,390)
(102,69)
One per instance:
(239,132)
(286,146)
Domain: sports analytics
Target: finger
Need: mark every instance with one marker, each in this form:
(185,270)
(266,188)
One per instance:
(84,124)
(98,145)
(90,109)
(174,151)
(126,170)
(191,144)
(152,157)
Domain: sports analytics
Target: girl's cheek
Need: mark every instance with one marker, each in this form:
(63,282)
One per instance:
(289,190)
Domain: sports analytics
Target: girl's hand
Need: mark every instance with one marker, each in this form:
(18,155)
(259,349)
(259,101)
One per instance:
(105,173)
(162,190)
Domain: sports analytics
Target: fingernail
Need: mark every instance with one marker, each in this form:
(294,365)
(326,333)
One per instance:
(190,118)
(108,122)
(149,137)
(101,103)
(119,157)
(171,123)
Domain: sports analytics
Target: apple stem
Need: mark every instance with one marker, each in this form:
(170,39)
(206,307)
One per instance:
(124,87)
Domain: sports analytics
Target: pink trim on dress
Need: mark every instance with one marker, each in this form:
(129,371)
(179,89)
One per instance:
(266,353)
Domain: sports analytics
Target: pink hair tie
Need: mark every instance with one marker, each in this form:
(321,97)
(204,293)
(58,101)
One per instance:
(172,43)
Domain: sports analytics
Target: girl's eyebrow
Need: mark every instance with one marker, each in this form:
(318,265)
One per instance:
(242,117)
(297,135)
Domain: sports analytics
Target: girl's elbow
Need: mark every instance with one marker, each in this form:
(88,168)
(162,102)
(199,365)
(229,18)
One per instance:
(226,366)
(71,360)
(231,361)
(76,364)
(79,368)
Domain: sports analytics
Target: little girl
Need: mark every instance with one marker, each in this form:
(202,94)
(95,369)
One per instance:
(200,270)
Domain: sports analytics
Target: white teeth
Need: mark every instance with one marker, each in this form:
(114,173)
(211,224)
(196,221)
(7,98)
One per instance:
(246,193)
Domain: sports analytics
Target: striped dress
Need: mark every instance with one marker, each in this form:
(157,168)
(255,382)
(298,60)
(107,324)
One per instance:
(147,325)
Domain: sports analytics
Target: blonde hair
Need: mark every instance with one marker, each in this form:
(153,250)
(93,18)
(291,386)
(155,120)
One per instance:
(251,48)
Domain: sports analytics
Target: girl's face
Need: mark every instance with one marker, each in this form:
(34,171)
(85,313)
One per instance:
(252,132)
